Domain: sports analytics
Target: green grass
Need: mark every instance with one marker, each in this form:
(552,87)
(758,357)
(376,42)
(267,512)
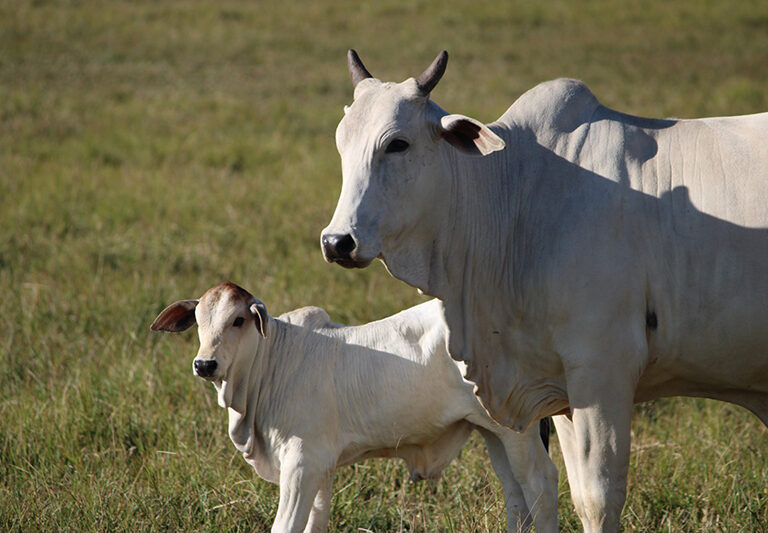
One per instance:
(149,150)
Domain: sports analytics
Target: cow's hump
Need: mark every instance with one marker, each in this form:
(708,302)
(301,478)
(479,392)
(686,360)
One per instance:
(562,104)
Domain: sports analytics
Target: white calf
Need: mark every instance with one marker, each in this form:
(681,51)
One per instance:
(305,396)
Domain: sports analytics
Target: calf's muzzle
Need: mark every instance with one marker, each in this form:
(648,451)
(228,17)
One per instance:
(205,368)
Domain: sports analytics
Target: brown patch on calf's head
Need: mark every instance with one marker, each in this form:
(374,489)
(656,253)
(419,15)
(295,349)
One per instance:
(176,317)
(255,306)
(181,315)
(214,293)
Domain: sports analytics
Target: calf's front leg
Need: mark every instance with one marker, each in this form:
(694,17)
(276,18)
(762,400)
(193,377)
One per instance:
(321,508)
(301,484)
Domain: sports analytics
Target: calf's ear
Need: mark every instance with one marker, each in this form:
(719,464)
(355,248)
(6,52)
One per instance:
(176,317)
(260,316)
(469,136)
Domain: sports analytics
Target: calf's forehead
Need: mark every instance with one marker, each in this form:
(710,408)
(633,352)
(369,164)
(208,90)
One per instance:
(220,303)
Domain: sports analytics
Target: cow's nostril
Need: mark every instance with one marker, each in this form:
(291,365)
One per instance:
(346,245)
(338,246)
(205,368)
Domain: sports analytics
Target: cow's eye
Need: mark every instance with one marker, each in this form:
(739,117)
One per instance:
(398,145)
(238,322)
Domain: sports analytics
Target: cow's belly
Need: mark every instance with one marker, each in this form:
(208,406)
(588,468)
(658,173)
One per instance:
(731,359)
(710,296)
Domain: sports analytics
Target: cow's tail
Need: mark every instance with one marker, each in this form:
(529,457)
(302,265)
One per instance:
(545,429)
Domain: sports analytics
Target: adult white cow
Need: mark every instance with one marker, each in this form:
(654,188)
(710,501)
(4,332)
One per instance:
(305,395)
(600,259)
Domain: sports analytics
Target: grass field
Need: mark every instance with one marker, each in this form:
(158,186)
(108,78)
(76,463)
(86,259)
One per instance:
(149,150)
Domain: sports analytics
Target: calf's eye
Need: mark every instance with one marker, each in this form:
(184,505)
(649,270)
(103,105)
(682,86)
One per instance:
(238,322)
(398,145)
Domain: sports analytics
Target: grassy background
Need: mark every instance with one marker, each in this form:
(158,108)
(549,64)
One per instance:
(149,150)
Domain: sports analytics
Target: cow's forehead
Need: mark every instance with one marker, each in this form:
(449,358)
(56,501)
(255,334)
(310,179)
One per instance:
(385,103)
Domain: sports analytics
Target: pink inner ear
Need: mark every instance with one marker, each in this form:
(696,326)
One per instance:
(466,128)
(471,137)
(260,319)
(462,134)
(176,317)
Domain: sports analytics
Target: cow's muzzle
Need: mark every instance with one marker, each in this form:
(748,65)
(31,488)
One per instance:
(205,368)
(340,248)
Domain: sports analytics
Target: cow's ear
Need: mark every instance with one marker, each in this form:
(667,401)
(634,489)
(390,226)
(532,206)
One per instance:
(260,317)
(470,136)
(176,317)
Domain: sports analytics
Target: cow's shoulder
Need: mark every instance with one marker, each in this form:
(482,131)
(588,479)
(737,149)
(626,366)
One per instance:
(562,104)
(311,317)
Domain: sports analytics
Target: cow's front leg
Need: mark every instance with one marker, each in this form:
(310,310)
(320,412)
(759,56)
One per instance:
(518,515)
(301,479)
(529,478)
(597,458)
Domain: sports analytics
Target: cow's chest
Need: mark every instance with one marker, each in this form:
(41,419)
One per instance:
(519,377)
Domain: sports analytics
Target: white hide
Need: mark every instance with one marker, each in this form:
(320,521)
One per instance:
(598,260)
(313,395)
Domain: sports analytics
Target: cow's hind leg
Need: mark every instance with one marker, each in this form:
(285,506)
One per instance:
(756,402)
(760,408)
(567,439)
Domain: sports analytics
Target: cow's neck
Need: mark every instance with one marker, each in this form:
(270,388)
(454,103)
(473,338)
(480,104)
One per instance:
(474,240)
(482,272)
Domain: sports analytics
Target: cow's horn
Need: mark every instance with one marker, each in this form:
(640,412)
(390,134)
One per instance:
(432,75)
(356,68)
